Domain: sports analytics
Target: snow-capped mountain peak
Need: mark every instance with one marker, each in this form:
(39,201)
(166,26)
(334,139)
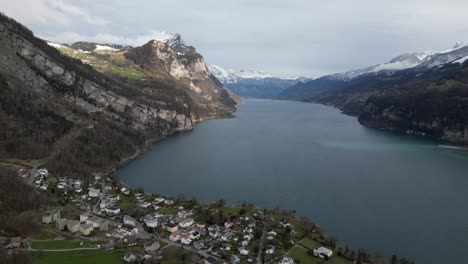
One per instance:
(231,76)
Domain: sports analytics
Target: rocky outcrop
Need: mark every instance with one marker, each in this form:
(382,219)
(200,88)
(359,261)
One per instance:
(443,120)
(172,57)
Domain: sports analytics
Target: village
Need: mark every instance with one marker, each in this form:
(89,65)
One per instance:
(100,214)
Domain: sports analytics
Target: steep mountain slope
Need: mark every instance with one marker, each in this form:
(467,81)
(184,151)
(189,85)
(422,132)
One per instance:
(425,94)
(251,83)
(92,113)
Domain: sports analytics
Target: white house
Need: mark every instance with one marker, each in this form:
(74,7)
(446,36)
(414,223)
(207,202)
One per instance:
(128,220)
(93,192)
(323,252)
(186,222)
(185,240)
(84,217)
(243,251)
(150,221)
(158,200)
(287,260)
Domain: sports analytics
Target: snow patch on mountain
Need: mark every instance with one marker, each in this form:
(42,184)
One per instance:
(462,60)
(104,47)
(55,45)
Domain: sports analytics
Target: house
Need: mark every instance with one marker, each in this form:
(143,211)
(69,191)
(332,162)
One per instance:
(226,236)
(195,235)
(323,252)
(130,240)
(128,220)
(51,216)
(270,250)
(175,236)
(92,192)
(186,222)
(158,200)
(286,260)
(14,245)
(86,229)
(186,240)
(213,231)
(170,227)
(61,223)
(129,258)
(144,204)
(84,217)
(150,221)
(212,260)
(243,251)
(234,259)
(73,226)
(227,246)
(113,210)
(228,224)
(128,230)
(152,246)
(98,222)
(168,202)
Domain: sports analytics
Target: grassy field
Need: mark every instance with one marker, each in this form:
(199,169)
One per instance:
(44,234)
(60,244)
(168,211)
(176,255)
(309,243)
(300,254)
(81,257)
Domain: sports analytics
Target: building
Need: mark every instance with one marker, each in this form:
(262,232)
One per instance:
(170,227)
(93,192)
(86,229)
(129,258)
(152,246)
(287,260)
(150,221)
(186,223)
(61,223)
(175,236)
(84,217)
(234,259)
(73,226)
(243,251)
(128,220)
(323,252)
(186,240)
(51,216)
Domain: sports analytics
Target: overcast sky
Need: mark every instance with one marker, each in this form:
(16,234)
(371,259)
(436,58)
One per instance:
(282,37)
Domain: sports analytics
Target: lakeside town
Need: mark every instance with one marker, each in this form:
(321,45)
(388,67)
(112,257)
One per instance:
(100,214)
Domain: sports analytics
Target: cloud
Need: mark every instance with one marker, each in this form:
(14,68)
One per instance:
(137,40)
(51,12)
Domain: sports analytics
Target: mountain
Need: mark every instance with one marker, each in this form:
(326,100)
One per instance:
(82,111)
(419,93)
(251,83)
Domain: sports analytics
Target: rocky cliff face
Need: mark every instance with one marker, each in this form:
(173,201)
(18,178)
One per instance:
(439,112)
(91,115)
(184,64)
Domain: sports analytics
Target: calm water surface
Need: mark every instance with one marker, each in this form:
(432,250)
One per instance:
(371,189)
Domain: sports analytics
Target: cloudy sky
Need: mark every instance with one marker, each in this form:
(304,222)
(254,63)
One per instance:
(284,38)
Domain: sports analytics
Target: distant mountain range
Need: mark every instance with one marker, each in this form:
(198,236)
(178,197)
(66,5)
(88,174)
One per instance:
(252,83)
(418,93)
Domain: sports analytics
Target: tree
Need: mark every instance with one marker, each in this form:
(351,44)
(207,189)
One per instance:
(394,259)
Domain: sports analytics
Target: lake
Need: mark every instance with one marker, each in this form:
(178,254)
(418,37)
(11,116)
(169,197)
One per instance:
(371,189)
